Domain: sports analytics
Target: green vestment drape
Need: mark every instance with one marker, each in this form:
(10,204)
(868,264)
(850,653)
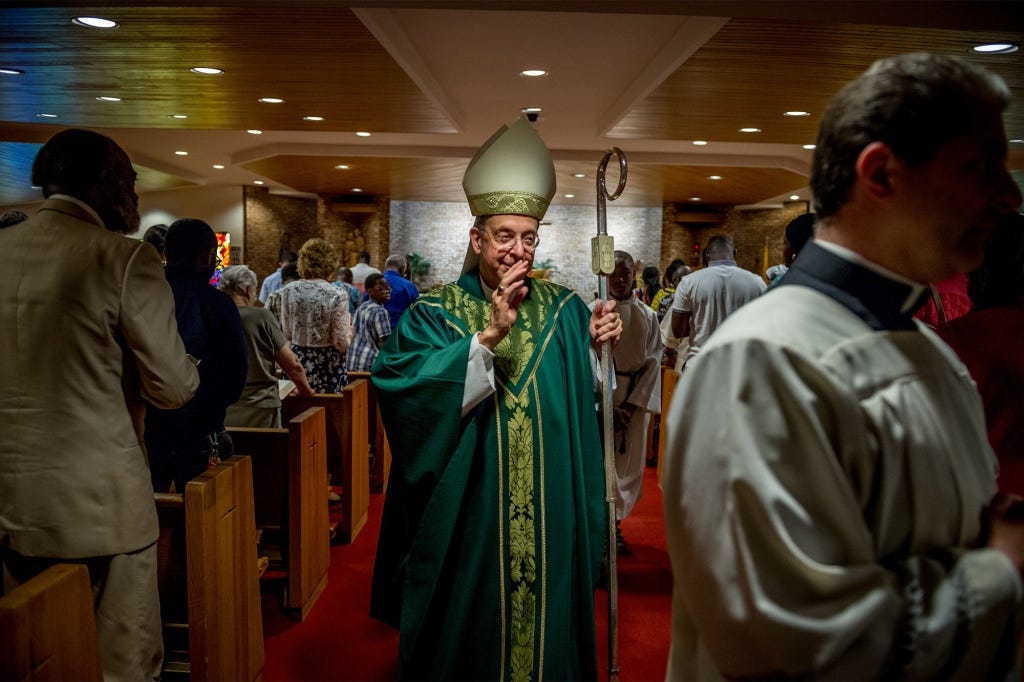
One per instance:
(493,523)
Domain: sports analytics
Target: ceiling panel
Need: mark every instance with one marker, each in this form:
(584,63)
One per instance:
(753,70)
(322,61)
(432,81)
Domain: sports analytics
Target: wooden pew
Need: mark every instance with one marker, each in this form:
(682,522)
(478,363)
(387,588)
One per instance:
(290,487)
(208,576)
(48,628)
(669,380)
(347,449)
(380,466)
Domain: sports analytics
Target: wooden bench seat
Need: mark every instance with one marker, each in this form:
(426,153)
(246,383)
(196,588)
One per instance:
(347,448)
(48,628)
(290,493)
(208,574)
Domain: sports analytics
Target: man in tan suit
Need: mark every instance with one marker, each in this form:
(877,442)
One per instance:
(87,331)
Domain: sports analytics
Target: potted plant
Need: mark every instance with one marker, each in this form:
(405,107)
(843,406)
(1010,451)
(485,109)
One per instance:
(419,268)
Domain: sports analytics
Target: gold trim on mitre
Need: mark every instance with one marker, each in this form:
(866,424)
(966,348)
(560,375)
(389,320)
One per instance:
(511,173)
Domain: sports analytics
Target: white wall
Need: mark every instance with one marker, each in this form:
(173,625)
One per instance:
(221,207)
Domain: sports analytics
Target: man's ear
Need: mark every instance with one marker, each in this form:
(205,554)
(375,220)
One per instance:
(474,240)
(875,168)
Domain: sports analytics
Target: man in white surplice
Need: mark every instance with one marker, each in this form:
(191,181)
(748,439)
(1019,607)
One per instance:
(637,392)
(829,490)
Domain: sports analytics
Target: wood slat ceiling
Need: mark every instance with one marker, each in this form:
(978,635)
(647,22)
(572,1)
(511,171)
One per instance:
(753,70)
(322,61)
(319,57)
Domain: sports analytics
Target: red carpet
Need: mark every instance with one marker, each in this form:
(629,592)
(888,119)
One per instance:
(338,641)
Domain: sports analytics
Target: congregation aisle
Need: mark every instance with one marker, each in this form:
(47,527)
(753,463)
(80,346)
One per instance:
(339,641)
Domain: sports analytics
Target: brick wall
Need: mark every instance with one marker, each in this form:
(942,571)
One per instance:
(355,226)
(439,231)
(273,222)
(751,230)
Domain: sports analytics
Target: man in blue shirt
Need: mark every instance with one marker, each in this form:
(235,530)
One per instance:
(403,292)
(273,281)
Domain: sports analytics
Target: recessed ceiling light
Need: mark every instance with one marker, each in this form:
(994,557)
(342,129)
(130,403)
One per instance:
(108,99)
(794,197)
(94,22)
(569,196)
(46,115)
(531,110)
(257,182)
(178,116)
(700,143)
(271,100)
(579,175)
(714,177)
(533,73)
(796,113)
(356,189)
(312,118)
(1016,141)
(996,48)
(809,146)
(363,133)
(181,153)
(207,70)
(750,130)
(219,166)
(694,198)
(253,131)
(11,72)
(342,166)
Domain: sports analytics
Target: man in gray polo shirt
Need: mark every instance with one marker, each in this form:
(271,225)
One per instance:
(706,297)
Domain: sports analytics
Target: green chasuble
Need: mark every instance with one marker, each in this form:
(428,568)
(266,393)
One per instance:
(494,523)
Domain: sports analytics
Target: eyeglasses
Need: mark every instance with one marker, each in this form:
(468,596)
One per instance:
(504,241)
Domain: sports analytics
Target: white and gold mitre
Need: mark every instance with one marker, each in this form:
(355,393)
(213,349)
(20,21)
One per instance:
(511,173)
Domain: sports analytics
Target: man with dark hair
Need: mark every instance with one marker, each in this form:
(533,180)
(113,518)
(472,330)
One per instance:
(87,331)
(705,298)
(12,217)
(183,442)
(403,292)
(157,236)
(829,493)
(362,269)
(637,391)
(273,281)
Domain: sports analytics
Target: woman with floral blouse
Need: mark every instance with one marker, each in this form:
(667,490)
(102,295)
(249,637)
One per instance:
(315,318)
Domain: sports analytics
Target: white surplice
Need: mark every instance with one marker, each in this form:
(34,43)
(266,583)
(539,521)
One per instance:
(823,497)
(639,349)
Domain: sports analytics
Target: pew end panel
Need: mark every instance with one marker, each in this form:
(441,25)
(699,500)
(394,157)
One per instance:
(48,628)
(380,465)
(290,487)
(209,583)
(347,449)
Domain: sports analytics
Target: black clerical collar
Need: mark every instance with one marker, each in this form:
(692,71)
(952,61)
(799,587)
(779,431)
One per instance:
(882,302)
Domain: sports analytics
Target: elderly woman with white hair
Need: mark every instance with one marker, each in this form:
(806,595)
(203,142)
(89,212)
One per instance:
(260,404)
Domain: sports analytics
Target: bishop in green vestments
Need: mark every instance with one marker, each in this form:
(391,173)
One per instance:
(494,520)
